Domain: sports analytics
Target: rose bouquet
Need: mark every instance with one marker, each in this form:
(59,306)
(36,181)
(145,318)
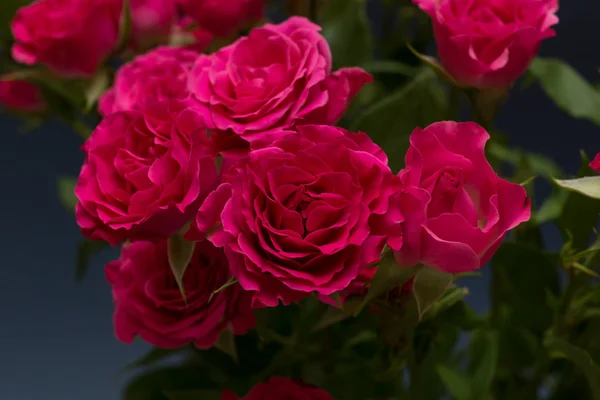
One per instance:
(297,209)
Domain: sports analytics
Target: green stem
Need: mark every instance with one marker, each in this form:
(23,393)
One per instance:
(81,129)
(454,103)
(485,104)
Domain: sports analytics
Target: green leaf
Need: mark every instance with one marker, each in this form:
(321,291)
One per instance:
(96,87)
(125,24)
(154,384)
(180,253)
(152,357)
(226,344)
(537,165)
(527,181)
(521,277)
(390,67)
(430,284)
(70,91)
(194,395)
(567,88)
(436,66)
(462,316)
(452,296)
(346,29)
(586,270)
(66,192)
(87,249)
(580,214)
(563,349)
(388,276)
(457,383)
(551,208)
(484,359)
(8,8)
(334,315)
(390,121)
(361,337)
(588,185)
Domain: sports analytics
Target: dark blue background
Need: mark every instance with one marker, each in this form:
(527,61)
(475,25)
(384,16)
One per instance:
(56,337)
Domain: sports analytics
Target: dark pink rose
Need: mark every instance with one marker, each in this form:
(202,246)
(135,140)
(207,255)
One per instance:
(489,43)
(21,95)
(157,76)
(277,388)
(456,210)
(223,18)
(595,164)
(149,303)
(144,176)
(70,37)
(301,215)
(277,77)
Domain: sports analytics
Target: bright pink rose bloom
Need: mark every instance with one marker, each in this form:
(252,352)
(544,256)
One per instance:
(144,176)
(149,303)
(21,95)
(278,76)
(296,219)
(489,43)
(595,164)
(157,76)
(277,388)
(70,37)
(456,209)
(222,18)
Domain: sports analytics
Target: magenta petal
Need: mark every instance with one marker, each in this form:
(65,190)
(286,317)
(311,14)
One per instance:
(447,256)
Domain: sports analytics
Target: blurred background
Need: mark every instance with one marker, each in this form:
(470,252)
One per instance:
(59,334)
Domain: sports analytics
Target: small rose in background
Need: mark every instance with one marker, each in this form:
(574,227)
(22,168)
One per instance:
(223,18)
(152,21)
(595,164)
(456,209)
(186,33)
(144,175)
(73,38)
(277,388)
(276,77)
(21,95)
(157,76)
(295,219)
(489,43)
(70,37)
(149,303)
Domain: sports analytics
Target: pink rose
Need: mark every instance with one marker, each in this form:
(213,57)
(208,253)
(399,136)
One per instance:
(149,303)
(595,164)
(70,37)
(144,175)
(456,209)
(278,76)
(277,388)
(157,76)
(21,95)
(296,219)
(223,18)
(489,43)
